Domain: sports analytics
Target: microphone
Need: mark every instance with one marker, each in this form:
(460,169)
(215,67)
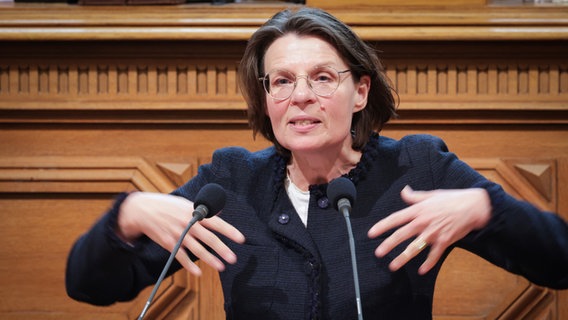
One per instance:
(208,202)
(341,192)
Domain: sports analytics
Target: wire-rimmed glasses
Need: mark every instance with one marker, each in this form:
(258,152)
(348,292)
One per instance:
(323,81)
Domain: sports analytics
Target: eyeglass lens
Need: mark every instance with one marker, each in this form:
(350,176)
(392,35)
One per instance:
(280,84)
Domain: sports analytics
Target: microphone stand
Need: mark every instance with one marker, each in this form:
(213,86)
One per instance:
(345,211)
(208,202)
(196,217)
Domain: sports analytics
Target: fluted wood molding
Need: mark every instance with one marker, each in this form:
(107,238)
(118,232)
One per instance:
(131,77)
(442,82)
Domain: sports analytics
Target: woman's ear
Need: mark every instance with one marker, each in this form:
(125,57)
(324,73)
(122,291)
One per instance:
(362,93)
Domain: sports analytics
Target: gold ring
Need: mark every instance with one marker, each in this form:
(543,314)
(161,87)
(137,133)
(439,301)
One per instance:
(420,244)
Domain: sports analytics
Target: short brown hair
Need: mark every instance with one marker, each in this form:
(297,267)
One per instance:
(360,57)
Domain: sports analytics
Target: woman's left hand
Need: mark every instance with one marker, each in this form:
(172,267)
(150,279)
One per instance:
(436,218)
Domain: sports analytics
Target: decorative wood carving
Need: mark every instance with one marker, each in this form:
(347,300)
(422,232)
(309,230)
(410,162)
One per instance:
(540,177)
(86,92)
(81,179)
(473,280)
(60,84)
(482,84)
(236,22)
(485,84)
(179,173)
(532,179)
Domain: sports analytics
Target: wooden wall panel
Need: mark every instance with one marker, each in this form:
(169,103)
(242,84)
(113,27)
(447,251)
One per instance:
(474,280)
(84,116)
(448,76)
(47,202)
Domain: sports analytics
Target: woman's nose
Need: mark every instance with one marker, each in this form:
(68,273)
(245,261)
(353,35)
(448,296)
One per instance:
(302,89)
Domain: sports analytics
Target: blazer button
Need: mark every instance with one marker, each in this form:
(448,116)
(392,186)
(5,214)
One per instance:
(323,202)
(309,267)
(283,218)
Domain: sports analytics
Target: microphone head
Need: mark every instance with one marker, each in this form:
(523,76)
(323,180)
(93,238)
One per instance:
(341,188)
(211,196)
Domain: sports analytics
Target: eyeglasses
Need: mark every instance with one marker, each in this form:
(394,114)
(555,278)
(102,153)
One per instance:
(323,81)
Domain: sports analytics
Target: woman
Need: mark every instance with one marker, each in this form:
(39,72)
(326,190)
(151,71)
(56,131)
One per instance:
(320,95)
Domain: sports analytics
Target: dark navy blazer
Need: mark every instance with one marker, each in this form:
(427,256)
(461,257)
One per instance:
(288,271)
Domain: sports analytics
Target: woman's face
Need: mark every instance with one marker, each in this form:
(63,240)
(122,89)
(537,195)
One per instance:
(307,122)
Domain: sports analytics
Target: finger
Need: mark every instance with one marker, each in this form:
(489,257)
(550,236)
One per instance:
(407,194)
(228,230)
(396,238)
(400,217)
(169,243)
(214,243)
(202,253)
(412,196)
(411,251)
(185,261)
(392,221)
(434,255)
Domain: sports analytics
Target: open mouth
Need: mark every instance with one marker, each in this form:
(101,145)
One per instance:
(304,122)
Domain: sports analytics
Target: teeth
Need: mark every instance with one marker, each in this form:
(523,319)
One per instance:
(303,122)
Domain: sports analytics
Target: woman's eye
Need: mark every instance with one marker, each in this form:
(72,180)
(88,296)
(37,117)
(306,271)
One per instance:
(322,78)
(282,81)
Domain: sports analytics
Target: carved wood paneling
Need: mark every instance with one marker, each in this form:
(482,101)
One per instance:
(63,197)
(95,101)
(178,173)
(398,21)
(483,83)
(92,84)
(439,79)
(466,285)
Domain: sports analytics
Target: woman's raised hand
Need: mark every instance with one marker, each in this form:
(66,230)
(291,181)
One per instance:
(436,218)
(163,218)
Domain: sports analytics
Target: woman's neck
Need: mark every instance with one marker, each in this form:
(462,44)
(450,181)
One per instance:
(320,167)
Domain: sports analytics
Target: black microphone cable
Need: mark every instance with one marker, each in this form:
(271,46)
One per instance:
(208,202)
(341,192)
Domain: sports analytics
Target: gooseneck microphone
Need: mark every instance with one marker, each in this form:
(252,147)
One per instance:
(208,202)
(341,192)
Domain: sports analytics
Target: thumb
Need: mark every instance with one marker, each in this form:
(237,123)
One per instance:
(411,197)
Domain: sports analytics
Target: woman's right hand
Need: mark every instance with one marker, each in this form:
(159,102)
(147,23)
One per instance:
(163,218)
